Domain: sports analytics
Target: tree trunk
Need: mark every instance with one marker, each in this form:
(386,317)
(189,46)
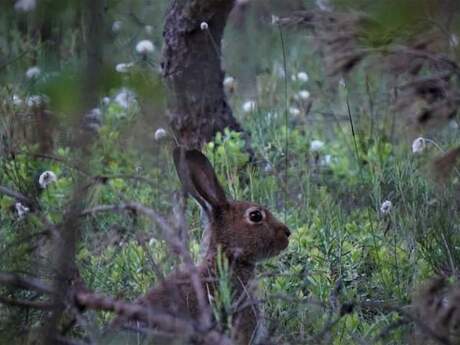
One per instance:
(191,65)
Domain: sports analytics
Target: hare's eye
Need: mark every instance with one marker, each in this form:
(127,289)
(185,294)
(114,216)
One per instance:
(255,216)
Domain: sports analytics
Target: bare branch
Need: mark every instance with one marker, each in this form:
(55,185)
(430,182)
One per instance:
(170,236)
(28,283)
(16,195)
(26,304)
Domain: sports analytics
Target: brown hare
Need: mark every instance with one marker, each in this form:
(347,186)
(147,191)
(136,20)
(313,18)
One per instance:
(245,232)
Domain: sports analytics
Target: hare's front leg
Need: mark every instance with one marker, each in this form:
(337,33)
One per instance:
(245,326)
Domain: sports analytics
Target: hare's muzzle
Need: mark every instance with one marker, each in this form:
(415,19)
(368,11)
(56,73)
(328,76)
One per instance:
(283,236)
(287,232)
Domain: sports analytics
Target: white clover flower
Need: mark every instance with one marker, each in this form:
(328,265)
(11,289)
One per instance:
(278,69)
(275,19)
(125,98)
(268,168)
(124,67)
(117,25)
(324,5)
(326,160)
(33,72)
(94,115)
(249,106)
(453,40)
(46,178)
(342,82)
(148,29)
(229,84)
(25,5)
(160,133)
(21,209)
(204,26)
(35,101)
(294,111)
(302,76)
(386,207)
(418,145)
(145,47)
(304,94)
(316,145)
(106,100)
(17,100)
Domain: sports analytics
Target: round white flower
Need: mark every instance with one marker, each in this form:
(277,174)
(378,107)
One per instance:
(316,145)
(145,47)
(268,168)
(25,5)
(148,29)
(21,209)
(302,76)
(117,25)
(324,5)
(275,19)
(453,40)
(94,115)
(278,69)
(160,133)
(125,98)
(326,160)
(386,207)
(229,84)
(17,100)
(229,81)
(453,124)
(294,111)
(418,145)
(204,26)
(304,94)
(35,101)
(123,67)
(46,178)
(33,72)
(249,106)
(106,100)
(342,82)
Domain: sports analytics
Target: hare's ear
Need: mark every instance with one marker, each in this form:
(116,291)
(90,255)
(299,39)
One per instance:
(198,178)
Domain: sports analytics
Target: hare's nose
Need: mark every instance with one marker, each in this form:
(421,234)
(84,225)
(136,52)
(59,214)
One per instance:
(287,231)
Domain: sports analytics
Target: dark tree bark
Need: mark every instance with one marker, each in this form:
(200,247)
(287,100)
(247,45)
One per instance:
(191,64)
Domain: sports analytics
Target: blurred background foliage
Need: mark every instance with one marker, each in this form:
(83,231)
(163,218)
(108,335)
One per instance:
(328,156)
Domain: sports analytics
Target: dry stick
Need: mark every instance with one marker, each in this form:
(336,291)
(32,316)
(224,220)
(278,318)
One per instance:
(25,239)
(16,195)
(418,322)
(64,341)
(28,283)
(176,245)
(96,301)
(26,304)
(164,321)
(179,216)
(134,312)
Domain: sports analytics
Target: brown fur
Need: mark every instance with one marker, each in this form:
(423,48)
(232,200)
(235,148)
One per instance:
(243,242)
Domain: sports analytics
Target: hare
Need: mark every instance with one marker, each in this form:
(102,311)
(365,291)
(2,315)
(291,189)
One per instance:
(243,231)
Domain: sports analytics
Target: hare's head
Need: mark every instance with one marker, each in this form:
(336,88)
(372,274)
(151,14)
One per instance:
(244,230)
